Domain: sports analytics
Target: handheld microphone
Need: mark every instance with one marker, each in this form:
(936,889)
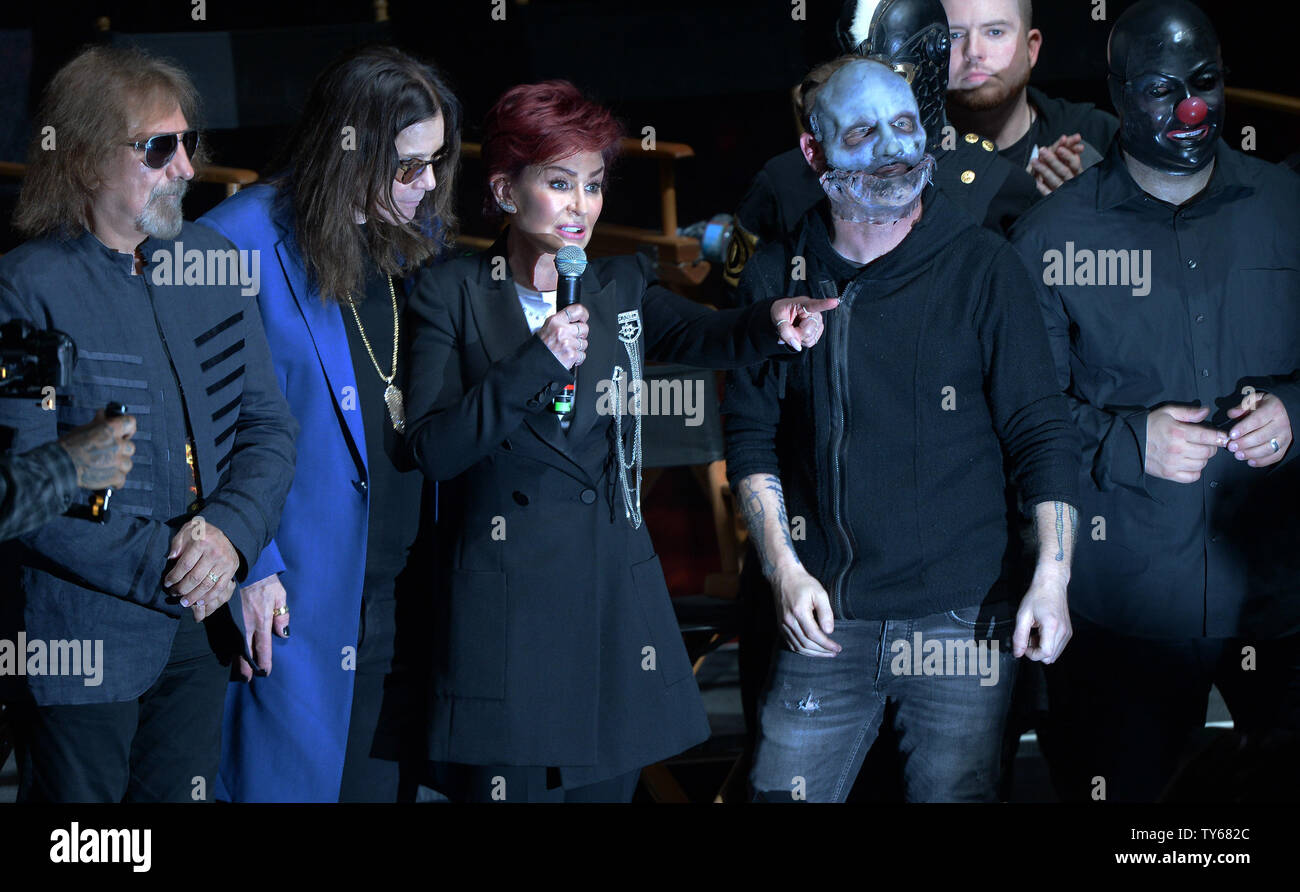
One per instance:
(570,263)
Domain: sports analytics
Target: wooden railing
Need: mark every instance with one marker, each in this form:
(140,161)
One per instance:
(233,178)
(679,256)
(1278,102)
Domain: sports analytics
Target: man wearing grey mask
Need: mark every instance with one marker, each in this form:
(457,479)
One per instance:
(912,38)
(889,444)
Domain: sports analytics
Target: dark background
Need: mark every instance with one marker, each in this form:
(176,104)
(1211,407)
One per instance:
(714,74)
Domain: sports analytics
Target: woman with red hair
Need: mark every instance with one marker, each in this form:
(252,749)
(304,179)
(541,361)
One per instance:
(558,669)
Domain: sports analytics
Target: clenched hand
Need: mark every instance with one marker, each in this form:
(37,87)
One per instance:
(798,320)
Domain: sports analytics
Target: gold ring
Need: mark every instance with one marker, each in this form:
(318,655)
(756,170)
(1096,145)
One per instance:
(280,611)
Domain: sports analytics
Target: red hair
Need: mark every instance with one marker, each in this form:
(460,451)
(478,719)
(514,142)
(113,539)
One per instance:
(541,123)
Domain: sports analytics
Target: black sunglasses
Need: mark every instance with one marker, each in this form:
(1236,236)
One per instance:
(158,150)
(411,169)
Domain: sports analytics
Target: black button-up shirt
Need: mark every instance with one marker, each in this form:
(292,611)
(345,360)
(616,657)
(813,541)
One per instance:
(1212,305)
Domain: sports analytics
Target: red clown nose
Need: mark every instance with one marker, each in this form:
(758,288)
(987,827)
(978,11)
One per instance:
(1191,111)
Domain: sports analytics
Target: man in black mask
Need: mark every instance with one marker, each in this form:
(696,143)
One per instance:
(911,36)
(1172,297)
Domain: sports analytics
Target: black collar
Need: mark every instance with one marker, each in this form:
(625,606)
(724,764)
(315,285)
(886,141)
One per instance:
(1116,186)
(88,243)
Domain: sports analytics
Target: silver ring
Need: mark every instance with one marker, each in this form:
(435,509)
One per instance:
(214,577)
(1277,447)
(566,314)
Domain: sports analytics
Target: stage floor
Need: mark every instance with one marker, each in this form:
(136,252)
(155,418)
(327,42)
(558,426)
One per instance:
(706,768)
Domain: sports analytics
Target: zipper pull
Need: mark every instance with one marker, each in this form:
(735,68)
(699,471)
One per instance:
(829,290)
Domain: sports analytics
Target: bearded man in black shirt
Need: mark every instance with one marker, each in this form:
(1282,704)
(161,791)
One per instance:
(994,48)
(1172,300)
(889,569)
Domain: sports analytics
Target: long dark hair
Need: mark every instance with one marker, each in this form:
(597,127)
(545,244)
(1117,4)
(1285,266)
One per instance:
(341,159)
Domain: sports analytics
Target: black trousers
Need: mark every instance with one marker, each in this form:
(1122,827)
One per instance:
(367,779)
(1124,713)
(164,746)
(506,783)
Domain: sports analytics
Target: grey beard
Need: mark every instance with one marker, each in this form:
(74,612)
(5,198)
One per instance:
(160,217)
(860,197)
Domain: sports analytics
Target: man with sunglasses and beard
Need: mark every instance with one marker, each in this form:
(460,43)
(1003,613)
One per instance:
(1170,285)
(889,444)
(214,444)
(994,48)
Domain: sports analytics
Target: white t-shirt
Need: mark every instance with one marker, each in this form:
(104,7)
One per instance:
(537,305)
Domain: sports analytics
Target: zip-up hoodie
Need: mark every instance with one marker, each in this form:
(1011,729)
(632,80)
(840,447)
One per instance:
(890,436)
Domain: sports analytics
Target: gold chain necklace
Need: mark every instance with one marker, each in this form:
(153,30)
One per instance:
(392,396)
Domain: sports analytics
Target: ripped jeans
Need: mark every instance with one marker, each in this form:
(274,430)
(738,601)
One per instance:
(943,681)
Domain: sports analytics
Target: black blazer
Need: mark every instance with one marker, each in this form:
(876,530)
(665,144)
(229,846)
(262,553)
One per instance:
(553,637)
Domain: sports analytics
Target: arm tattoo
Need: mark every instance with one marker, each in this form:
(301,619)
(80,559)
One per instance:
(774,486)
(1060,528)
(755,518)
(752,508)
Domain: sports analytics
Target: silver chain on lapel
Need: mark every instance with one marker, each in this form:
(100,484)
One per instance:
(629,332)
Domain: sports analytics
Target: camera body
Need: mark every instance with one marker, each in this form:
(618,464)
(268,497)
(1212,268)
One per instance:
(33,359)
